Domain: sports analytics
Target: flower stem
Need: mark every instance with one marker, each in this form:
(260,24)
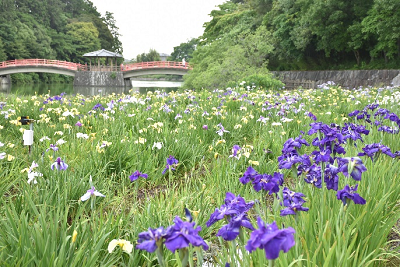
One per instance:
(160,256)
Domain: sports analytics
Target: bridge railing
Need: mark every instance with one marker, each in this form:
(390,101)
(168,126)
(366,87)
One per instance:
(42,62)
(155,64)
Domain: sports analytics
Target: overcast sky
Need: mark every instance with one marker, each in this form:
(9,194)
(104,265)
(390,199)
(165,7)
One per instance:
(157,24)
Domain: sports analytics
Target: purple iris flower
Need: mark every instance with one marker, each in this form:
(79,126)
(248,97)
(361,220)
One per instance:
(313,176)
(205,127)
(268,182)
(353,165)
(231,230)
(381,112)
(291,144)
(392,117)
(52,147)
(136,175)
(171,161)
(388,129)
(374,150)
(91,192)
(315,127)
(291,197)
(331,177)
(219,214)
(354,113)
(348,193)
(98,106)
(222,130)
(354,131)
(238,203)
(235,211)
(152,239)
(249,175)
(235,150)
(59,165)
(182,234)
(372,106)
(322,156)
(79,124)
(312,116)
(293,208)
(287,161)
(397,154)
(271,239)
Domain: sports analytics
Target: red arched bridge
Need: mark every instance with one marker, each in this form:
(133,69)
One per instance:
(70,68)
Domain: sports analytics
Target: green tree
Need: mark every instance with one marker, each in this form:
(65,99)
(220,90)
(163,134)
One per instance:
(110,21)
(3,55)
(383,20)
(84,36)
(153,55)
(184,50)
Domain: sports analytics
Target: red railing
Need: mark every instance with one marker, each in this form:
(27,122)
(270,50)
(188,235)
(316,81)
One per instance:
(155,64)
(42,62)
(82,67)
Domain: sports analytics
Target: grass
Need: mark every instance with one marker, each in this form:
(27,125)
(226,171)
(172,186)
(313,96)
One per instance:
(38,220)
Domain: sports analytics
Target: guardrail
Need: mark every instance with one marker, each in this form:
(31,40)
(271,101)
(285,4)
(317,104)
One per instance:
(155,64)
(42,62)
(82,67)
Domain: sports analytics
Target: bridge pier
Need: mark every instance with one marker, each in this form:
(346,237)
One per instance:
(99,79)
(5,80)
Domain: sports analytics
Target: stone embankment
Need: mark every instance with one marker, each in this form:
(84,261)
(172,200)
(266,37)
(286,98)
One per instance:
(99,79)
(346,78)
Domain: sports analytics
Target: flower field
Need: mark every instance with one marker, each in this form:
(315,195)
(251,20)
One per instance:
(235,177)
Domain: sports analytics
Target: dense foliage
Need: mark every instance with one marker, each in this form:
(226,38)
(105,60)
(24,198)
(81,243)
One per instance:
(107,175)
(54,29)
(246,37)
(152,55)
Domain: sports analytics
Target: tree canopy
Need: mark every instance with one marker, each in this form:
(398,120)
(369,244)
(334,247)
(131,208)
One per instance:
(54,29)
(248,37)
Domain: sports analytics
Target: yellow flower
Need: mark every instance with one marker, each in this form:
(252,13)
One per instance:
(25,170)
(254,162)
(58,133)
(74,236)
(67,126)
(220,142)
(140,141)
(10,157)
(22,130)
(125,245)
(1,127)
(10,145)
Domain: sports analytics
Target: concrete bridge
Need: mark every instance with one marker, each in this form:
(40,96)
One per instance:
(96,75)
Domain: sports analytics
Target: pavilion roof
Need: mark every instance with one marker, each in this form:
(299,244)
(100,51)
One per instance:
(102,53)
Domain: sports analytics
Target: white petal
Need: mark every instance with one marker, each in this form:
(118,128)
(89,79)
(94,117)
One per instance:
(85,197)
(98,194)
(112,245)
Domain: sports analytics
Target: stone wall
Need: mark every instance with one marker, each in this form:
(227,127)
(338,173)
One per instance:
(345,78)
(5,79)
(99,78)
